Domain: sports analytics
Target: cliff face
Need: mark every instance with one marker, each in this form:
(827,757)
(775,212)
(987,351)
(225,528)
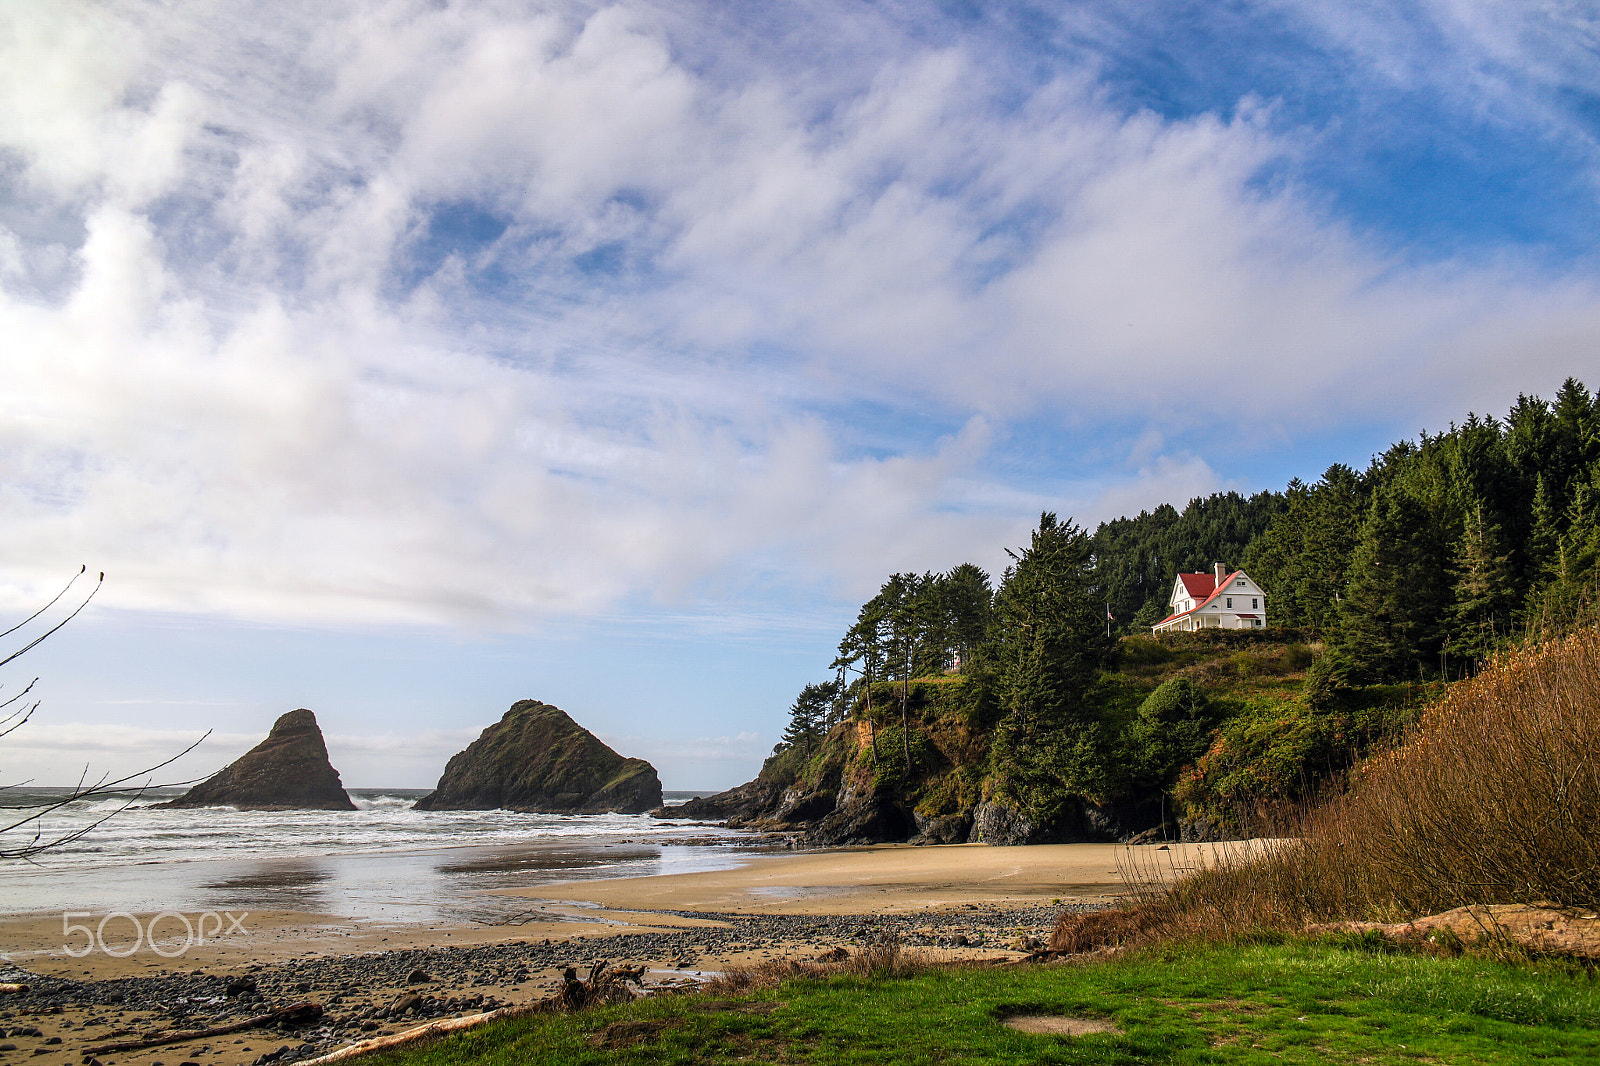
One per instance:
(538,759)
(288,770)
(1182,721)
(854,787)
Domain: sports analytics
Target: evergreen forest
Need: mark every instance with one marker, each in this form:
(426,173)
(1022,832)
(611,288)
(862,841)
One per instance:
(1037,706)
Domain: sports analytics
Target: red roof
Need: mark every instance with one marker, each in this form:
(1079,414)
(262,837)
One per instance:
(1202,585)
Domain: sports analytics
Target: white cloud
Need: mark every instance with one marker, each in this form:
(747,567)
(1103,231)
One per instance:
(687,322)
(61,753)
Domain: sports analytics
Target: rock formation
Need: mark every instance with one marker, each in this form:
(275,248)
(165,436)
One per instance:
(289,770)
(538,759)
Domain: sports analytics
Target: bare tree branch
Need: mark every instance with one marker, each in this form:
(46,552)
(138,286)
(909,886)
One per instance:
(31,813)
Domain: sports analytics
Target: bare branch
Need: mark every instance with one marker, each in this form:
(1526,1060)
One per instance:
(31,813)
(81,571)
(41,637)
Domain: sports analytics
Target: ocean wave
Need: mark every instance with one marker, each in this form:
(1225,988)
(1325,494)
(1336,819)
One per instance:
(383,822)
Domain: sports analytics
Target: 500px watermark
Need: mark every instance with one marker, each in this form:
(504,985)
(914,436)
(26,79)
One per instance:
(208,924)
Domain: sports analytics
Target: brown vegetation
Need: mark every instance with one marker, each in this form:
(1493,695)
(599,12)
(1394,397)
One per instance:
(883,958)
(1492,798)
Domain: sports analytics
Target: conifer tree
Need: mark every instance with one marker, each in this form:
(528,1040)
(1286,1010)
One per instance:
(1392,619)
(969,607)
(1050,644)
(1544,537)
(808,717)
(1483,586)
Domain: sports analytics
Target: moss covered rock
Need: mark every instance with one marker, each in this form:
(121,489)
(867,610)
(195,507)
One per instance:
(287,771)
(536,758)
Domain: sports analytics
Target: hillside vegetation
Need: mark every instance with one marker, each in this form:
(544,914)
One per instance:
(1040,709)
(1482,816)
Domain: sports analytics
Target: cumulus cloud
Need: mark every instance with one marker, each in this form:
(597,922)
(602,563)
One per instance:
(397,311)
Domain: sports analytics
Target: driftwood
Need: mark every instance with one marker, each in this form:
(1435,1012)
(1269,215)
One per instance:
(421,1032)
(8,989)
(602,986)
(297,1014)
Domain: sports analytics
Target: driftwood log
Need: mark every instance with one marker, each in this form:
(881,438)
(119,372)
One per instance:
(420,1033)
(296,1014)
(9,989)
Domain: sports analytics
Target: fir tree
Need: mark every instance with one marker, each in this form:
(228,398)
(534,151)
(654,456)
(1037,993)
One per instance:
(1483,587)
(1391,621)
(1050,646)
(808,717)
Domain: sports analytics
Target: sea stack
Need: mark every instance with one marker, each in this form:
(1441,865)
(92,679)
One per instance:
(287,771)
(538,759)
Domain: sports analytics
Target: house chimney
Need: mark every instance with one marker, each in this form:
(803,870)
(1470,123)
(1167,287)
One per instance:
(1221,571)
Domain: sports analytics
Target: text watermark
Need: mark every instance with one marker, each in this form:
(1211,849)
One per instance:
(207,925)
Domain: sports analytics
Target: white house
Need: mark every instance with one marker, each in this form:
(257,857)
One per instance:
(1218,600)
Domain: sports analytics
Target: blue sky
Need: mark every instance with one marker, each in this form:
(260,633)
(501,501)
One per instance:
(403,359)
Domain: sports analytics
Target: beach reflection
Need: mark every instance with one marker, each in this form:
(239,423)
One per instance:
(287,884)
(456,884)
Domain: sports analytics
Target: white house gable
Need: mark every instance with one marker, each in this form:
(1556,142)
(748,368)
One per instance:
(1222,599)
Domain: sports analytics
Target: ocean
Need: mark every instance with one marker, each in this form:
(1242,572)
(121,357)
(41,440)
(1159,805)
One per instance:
(384,861)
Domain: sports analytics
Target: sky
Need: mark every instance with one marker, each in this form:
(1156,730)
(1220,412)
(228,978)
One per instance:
(401,359)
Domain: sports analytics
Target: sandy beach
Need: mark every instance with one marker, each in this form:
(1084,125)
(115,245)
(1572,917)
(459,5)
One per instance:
(882,879)
(959,901)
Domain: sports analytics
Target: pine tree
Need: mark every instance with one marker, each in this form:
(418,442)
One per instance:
(1391,622)
(969,606)
(1483,586)
(808,717)
(1544,537)
(1050,645)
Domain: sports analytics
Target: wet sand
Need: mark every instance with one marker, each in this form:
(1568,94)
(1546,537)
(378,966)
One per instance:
(886,879)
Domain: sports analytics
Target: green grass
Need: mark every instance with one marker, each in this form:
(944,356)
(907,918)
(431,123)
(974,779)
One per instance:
(1295,1002)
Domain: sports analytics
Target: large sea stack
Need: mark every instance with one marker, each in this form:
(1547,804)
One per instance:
(287,771)
(538,759)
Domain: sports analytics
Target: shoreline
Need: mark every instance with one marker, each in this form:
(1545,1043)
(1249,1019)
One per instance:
(951,902)
(880,880)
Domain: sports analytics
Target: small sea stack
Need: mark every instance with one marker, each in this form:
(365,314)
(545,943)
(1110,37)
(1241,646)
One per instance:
(287,771)
(536,758)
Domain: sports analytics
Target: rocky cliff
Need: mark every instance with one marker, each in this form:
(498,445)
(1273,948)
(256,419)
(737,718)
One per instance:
(1206,714)
(854,788)
(288,770)
(538,759)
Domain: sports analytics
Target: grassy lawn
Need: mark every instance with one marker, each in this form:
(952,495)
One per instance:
(1294,1002)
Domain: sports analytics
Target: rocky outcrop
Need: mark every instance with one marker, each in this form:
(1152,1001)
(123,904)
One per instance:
(536,758)
(821,817)
(287,771)
(995,823)
(941,829)
(1083,821)
(864,820)
(737,806)
(827,818)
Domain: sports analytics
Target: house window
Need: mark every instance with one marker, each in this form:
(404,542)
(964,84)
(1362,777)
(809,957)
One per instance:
(1253,604)
(1256,622)
(1230,603)
(1239,582)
